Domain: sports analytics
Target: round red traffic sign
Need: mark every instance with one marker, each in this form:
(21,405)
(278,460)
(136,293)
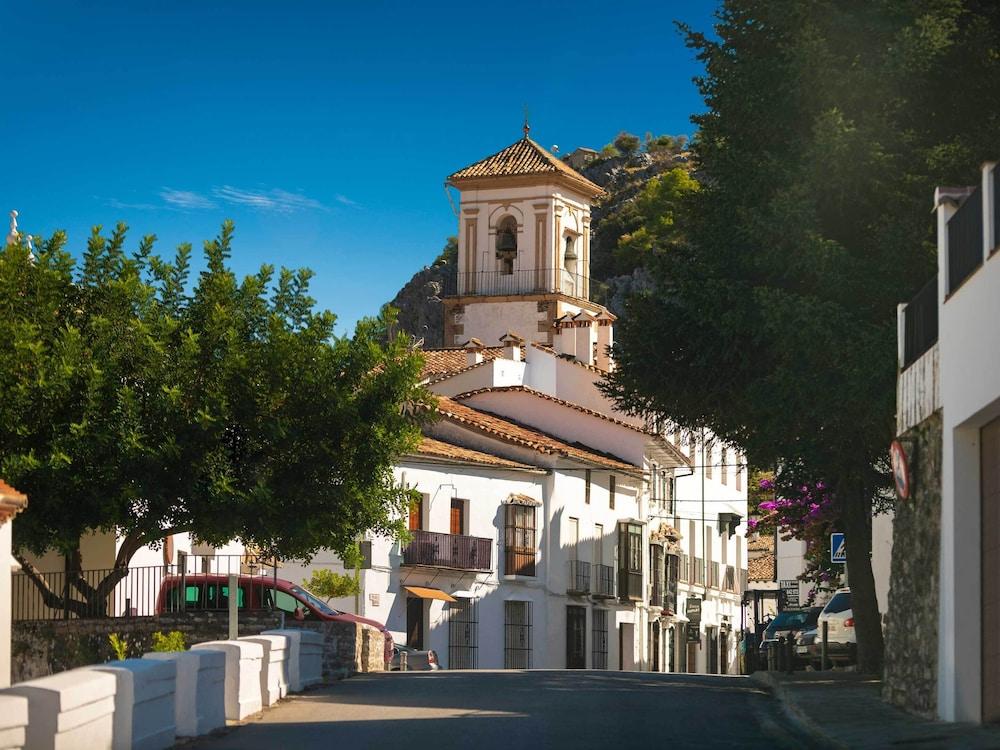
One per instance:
(900,469)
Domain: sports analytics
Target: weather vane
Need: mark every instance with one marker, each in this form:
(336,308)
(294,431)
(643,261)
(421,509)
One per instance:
(527,127)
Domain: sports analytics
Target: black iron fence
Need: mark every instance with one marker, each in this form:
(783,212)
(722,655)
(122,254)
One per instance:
(579,577)
(448,551)
(965,240)
(525,281)
(139,591)
(920,323)
(604,581)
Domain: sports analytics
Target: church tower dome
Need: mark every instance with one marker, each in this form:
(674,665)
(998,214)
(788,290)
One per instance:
(523,245)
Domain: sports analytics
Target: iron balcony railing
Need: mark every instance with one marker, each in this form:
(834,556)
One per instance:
(524,281)
(965,240)
(139,591)
(729,578)
(603,582)
(713,575)
(455,551)
(630,585)
(697,571)
(579,577)
(920,323)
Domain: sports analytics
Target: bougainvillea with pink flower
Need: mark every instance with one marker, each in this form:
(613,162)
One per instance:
(807,512)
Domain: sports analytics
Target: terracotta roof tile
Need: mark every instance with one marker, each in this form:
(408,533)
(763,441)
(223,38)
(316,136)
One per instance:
(12,502)
(452,360)
(567,358)
(434,448)
(761,568)
(512,432)
(523,158)
(761,543)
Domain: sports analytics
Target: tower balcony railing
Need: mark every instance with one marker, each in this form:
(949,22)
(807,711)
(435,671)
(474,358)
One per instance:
(525,281)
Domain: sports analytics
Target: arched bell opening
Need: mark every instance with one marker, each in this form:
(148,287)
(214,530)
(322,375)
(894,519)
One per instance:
(506,245)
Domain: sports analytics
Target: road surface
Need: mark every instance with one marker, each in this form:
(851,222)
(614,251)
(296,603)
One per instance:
(518,710)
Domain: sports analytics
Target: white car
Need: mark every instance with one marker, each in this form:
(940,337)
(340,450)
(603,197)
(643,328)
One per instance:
(840,636)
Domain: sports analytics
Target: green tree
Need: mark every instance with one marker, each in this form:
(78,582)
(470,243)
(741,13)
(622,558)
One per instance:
(827,127)
(657,205)
(328,585)
(136,403)
(627,143)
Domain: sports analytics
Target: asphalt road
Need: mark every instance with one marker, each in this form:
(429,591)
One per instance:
(538,709)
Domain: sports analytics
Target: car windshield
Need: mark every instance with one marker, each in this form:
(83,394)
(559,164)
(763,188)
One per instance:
(813,619)
(840,603)
(318,604)
(787,621)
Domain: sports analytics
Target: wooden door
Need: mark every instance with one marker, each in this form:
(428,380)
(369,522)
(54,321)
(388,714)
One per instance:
(457,516)
(576,637)
(990,570)
(417,515)
(415,622)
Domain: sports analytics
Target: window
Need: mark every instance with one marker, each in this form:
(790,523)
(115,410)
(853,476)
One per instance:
(507,244)
(574,539)
(630,561)
(457,516)
(463,634)
(611,491)
(289,604)
(519,540)
(417,514)
(586,486)
(707,458)
(600,639)
(517,635)
(723,466)
(598,544)
(739,472)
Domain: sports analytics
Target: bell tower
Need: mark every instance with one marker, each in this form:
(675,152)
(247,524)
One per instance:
(523,246)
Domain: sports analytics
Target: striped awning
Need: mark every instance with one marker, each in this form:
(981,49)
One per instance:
(428,593)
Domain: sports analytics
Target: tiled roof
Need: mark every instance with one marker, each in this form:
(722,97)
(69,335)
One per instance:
(547,397)
(438,362)
(12,502)
(433,448)
(567,358)
(523,158)
(761,543)
(512,432)
(761,568)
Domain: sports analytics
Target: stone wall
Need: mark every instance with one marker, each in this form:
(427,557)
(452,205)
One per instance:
(41,648)
(349,648)
(911,625)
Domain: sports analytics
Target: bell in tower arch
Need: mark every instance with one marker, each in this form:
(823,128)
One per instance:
(507,244)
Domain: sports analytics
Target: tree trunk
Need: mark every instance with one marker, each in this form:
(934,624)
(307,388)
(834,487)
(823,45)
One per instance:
(857,517)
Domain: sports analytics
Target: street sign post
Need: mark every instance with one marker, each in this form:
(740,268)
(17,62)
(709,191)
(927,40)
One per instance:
(838,547)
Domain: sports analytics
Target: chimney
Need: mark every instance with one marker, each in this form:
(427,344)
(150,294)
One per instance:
(605,339)
(565,336)
(512,344)
(473,351)
(583,322)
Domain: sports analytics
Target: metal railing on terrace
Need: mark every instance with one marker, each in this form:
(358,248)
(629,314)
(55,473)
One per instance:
(138,591)
(697,571)
(920,323)
(455,551)
(713,575)
(603,580)
(525,281)
(965,240)
(729,578)
(579,577)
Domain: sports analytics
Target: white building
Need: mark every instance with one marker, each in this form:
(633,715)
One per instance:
(949,411)
(549,535)
(12,502)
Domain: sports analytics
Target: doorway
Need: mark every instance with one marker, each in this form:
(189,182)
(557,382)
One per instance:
(989,581)
(415,622)
(654,646)
(576,637)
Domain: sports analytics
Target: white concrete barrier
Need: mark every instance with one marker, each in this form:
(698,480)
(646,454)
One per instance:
(274,671)
(13,722)
(310,658)
(144,703)
(69,710)
(200,695)
(293,638)
(243,666)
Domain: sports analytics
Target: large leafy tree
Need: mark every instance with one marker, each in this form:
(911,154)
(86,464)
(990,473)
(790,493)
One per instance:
(828,125)
(137,402)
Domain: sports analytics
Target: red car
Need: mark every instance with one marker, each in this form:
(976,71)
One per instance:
(211,591)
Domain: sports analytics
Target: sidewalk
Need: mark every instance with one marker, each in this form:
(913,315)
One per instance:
(845,710)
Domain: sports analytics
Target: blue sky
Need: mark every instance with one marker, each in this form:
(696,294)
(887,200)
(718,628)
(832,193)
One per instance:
(325,132)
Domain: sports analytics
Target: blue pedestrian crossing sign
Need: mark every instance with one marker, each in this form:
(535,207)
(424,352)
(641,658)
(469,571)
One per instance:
(838,547)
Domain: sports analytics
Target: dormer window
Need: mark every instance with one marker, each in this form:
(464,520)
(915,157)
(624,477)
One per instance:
(507,244)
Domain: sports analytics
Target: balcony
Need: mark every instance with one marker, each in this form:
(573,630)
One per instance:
(713,575)
(729,579)
(579,577)
(524,281)
(453,551)
(965,240)
(630,585)
(656,593)
(604,582)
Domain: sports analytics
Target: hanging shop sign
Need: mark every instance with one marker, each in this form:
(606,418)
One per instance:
(900,469)
(693,611)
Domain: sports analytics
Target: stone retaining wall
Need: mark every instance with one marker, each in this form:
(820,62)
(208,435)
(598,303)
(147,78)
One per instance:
(41,648)
(349,648)
(911,625)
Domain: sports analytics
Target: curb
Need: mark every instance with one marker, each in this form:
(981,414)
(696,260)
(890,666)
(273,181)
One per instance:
(796,717)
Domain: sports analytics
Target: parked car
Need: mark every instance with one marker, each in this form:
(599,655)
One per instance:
(807,647)
(841,640)
(786,625)
(211,591)
(415,660)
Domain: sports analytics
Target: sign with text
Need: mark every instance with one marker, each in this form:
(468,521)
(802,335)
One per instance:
(693,611)
(838,547)
(693,633)
(791,589)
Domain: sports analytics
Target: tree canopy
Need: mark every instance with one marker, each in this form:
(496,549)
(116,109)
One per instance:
(136,402)
(828,125)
